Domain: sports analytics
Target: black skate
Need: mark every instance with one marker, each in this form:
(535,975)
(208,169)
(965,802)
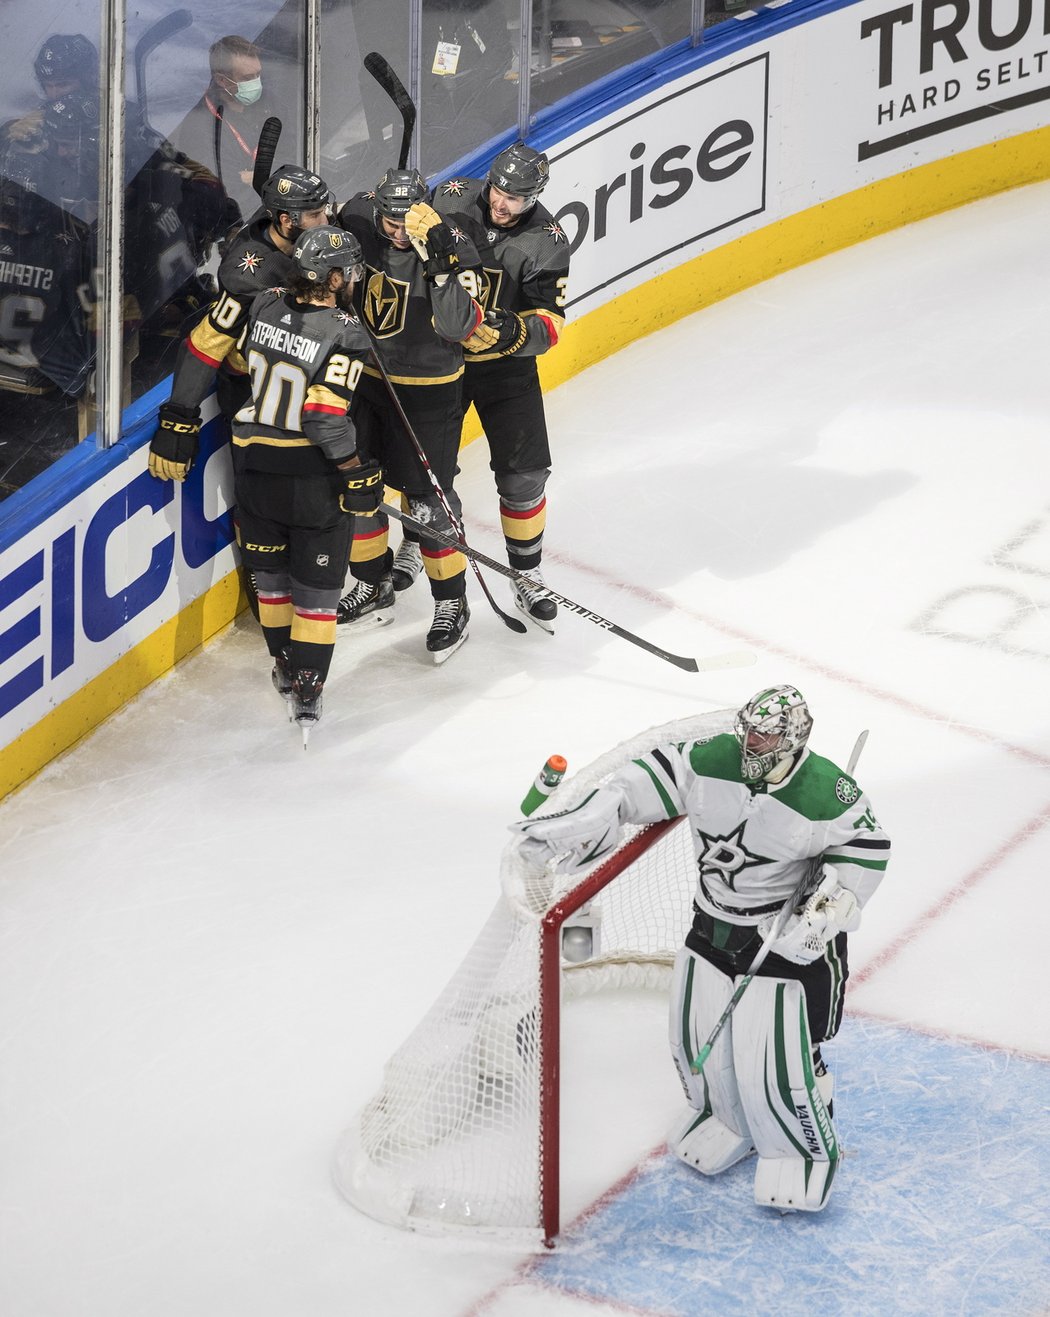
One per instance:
(307,687)
(533,605)
(408,563)
(449,628)
(372,603)
(283,677)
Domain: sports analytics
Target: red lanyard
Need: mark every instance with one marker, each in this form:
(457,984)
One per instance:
(248,151)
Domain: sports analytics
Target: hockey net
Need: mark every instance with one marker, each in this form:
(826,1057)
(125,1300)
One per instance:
(463,1134)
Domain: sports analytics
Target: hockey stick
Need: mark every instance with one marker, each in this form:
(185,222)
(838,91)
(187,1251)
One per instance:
(269,136)
(380,69)
(794,901)
(459,539)
(737,658)
(154,36)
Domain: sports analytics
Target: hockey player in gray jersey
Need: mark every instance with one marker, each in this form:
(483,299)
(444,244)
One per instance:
(297,472)
(765,814)
(259,257)
(526,267)
(418,305)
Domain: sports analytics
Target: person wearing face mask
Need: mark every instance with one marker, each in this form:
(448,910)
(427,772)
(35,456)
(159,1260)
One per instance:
(222,129)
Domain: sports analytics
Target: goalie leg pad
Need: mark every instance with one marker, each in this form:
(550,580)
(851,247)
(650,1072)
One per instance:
(789,1121)
(715,1133)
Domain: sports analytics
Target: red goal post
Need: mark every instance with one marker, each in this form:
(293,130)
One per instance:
(463,1134)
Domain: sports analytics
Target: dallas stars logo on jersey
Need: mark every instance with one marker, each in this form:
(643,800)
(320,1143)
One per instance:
(726,857)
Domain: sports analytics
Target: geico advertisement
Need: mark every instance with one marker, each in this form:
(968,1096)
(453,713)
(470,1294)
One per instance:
(103,573)
(938,66)
(652,183)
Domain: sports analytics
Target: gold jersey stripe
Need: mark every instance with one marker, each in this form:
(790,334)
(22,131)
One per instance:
(415,379)
(271,442)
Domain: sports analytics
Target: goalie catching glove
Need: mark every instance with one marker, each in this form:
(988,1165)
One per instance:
(361,489)
(502,332)
(173,448)
(575,837)
(831,910)
(433,240)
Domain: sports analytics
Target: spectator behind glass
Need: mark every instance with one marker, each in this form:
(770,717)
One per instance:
(222,129)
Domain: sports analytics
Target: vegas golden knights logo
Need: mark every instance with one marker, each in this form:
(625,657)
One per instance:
(386,304)
(489,283)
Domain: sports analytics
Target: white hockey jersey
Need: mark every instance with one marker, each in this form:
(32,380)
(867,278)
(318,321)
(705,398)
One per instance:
(755,842)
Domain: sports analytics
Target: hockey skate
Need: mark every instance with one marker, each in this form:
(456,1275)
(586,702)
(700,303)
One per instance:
(408,563)
(533,605)
(307,687)
(283,678)
(449,628)
(365,602)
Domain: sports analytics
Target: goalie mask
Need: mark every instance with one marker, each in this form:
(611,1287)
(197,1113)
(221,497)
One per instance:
(772,728)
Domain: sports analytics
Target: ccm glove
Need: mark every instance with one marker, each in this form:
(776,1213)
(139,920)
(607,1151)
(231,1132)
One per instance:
(576,837)
(173,448)
(361,489)
(433,240)
(503,332)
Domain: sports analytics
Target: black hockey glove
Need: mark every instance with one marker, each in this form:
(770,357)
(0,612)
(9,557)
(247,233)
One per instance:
(501,332)
(433,240)
(362,489)
(173,448)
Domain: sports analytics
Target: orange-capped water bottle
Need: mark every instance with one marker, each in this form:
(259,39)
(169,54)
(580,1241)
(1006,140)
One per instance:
(547,779)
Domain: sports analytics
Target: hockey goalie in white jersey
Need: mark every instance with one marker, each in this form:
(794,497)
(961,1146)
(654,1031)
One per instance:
(766,814)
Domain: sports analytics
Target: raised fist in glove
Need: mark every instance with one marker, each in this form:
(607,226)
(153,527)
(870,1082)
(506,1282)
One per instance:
(173,448)
(579,836)
(433,240)
(831,910)
(361,489)
(501,331)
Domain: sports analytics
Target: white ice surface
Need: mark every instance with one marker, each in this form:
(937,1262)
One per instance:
(211,940)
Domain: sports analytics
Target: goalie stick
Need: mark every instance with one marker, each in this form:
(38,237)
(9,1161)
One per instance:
(793,902)
(737,658)
(380,69)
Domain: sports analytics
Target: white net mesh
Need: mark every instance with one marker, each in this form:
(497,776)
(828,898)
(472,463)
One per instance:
(453,1137)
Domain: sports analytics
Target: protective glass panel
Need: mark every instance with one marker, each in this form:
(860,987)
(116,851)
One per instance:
(201,82)
(361,128)
(469,66)
(48,205)
(574,42)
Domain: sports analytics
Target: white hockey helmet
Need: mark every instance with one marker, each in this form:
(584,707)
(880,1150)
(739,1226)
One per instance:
(772,726)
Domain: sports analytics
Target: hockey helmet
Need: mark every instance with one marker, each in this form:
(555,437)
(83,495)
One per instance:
(772,727)
(519,170)
(291,190)
(328,248)
(67,60)
(397,192)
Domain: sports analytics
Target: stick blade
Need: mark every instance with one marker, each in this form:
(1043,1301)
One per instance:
(730,658)
(269,136)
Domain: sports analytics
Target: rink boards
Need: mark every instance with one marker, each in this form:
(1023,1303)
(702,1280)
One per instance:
(785,137)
